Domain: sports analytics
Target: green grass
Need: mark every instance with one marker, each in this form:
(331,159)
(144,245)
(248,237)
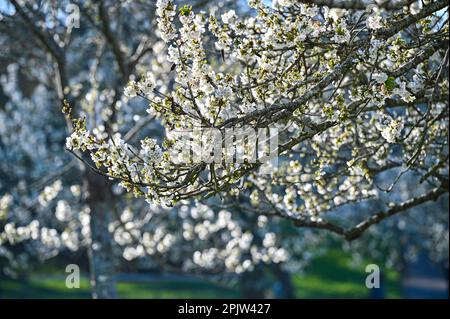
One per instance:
(328,276)
(175,290)
(332,276)
(42,287)
(54,287)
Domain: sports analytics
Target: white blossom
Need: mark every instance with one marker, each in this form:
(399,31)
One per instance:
(130,90)
(392,131)
(229,17)
(380,77)
(404,93)
(374,22)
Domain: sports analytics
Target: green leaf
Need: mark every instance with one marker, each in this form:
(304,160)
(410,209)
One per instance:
(185,10)
(390,84)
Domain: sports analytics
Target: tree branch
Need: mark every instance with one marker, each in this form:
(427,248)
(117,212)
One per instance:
(115,45)
(356,231)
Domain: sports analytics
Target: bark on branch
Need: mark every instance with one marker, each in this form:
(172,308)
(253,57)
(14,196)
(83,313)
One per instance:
(356,231)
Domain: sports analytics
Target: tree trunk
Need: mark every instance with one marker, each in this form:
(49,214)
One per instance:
(100,251)
(253,284)
(283,288)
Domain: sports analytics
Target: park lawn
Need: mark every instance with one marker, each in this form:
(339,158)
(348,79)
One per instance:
(328,276)
(332,276)
(52,286)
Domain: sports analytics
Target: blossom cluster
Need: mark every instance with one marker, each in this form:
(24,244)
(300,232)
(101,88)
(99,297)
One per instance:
(344,89)
(217,239)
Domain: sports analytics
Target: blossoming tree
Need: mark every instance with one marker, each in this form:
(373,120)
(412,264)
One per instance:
(50,204)
(355,90)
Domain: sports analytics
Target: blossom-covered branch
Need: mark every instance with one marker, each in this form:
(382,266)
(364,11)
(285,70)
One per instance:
(353,96)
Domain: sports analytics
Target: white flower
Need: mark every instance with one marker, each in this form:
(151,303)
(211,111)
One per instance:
(310,11)
(416,84)
(173,54)
(70,240)
(404,93)
(130,253)
(269,240)
(49,193)
(282,3)
(392,131)
(75,190)
(166,10)
(262,220)
(5,202)
(338,200)
(342,33)
(151,151)
(146,84)
(72,141)
(130,90)
(63,211)
(49,237)
(374,22)
(229,17)
(79,140)
(380,77)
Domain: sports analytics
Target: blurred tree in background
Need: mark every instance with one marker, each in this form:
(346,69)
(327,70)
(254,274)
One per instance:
(53,204)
